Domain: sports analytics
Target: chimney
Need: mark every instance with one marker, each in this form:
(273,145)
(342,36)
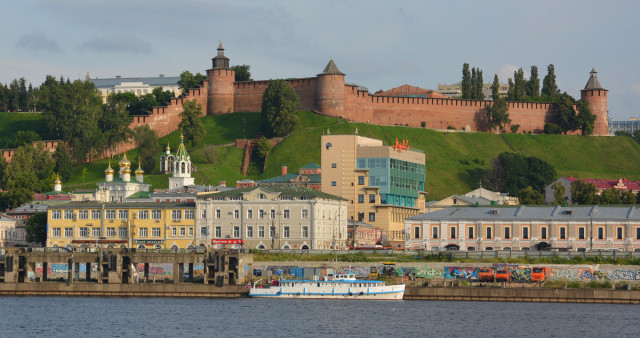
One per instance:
(283,169)
(223,183)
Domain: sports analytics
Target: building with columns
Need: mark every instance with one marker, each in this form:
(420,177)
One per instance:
(575,228)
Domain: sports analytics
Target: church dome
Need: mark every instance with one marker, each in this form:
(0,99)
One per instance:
(109,170)
(124,163)
(139,171)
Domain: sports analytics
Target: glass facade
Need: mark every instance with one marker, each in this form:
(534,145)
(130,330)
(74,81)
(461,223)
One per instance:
(399,181)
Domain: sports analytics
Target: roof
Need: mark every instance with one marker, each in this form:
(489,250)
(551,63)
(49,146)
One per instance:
(311,166)
(531,213)
(331,69)
(151,81)
(290,190)
(411,91)
(139,194)
(620,183)
(29,209)
(291,178)
(132,205)
(593,83)
(182,154)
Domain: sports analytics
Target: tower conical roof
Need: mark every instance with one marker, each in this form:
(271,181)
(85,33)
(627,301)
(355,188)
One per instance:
(331,69)
(182,154)
(593,83)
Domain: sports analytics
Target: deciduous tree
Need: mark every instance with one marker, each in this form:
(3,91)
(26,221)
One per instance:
(497,114)
(63,163)
(583,193)
(495,87)
(559,193)
(242,72)
(585,119)
(36,228)
(529,196)
(466,82)
(191,125)
(188,80)
(279,105)
(549,88)
(148,147)
(533,85)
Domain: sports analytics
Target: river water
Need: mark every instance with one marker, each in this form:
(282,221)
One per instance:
(199,317)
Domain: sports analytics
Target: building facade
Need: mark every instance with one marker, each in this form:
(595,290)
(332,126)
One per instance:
(620,184)
(12,232)
(383,184)
(272,217)
(122,225)
(138,85)
(526,228)
(308,176)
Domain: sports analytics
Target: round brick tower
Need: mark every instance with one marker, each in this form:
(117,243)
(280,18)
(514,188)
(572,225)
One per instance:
(330,91)
(220,90)
(597,98)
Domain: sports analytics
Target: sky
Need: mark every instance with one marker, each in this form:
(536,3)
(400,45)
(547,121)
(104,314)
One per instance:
(378,44)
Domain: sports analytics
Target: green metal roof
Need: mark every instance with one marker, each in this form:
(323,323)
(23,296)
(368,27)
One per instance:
(311,166)
(181,154)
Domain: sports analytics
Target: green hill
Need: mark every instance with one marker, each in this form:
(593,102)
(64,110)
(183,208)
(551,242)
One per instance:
(11,123)
(454,160)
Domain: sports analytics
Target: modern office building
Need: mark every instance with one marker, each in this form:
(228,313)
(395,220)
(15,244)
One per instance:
(382,184)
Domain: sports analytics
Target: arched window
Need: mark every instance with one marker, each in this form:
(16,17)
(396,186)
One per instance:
(261,247)
(174,248)
(183,167)
(157,247)
(162,163)
(304,247)
(141,246)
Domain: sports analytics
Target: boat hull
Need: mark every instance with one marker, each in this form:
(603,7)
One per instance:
(330,291)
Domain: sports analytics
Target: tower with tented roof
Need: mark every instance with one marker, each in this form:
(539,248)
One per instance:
(181,168)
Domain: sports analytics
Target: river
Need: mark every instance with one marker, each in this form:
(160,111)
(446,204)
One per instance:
(199,317)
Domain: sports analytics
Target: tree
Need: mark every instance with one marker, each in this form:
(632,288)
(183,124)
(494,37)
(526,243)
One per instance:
(529,196)
(565,115)
(30,168)
(519,86)
(520,171)
(161,96)
(63,163)
(242,72)
(191,125)
(533,85)
(148,147)
(479,86)
(511,90)
(26,137)
(36,228)
(264,147)
(559,192)
(495,87)
(627,197)
(609,196)
(15,197)
(585,119)
(549,88)
(3,174)
(279,105)
(188,80)
(583,193)
(466,82)
(497,114)
(115,120)
(474,84)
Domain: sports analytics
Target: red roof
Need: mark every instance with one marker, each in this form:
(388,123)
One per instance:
(621,183)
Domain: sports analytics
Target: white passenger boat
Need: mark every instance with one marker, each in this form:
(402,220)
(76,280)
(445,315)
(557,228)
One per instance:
(339,286)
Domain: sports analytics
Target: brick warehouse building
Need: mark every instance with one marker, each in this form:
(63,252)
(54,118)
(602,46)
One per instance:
(328,94)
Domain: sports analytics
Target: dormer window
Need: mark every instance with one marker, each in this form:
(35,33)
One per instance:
(262,196)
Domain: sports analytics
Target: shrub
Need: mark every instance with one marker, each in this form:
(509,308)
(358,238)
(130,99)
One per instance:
(211,153)
(423,124)
(514,128)
(552,128)
(451,127)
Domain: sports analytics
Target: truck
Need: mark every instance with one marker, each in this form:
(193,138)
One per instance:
(503,275)
(388,269)
(486,275)
(540,274)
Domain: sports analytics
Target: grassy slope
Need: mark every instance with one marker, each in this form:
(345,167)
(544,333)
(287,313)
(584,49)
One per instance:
(454,161)
(11,123)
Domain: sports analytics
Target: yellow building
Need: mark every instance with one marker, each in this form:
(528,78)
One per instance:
(122,225)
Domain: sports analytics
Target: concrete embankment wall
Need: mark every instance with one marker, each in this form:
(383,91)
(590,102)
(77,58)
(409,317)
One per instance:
(523,295)
(122,290)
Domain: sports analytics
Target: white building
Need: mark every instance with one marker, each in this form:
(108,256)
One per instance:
(272,218)
(12,231)
(122,188)
(181,168)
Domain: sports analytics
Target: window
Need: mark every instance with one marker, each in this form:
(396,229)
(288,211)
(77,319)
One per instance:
(83,214)
(525,233)
(434,232)
(236,231)
(68,214)
(360,216)
(236,214)
(372,217)
(249,231)
(84,232)
(56,214)
(143,232)
(305,213)
(507,233)
(600,233)
(189,214)
(218,232)
(55,232)
(218,214)
(203,231)
(416,232)
(305,232)
(372,198)
(122,232)
(155,232)
(333,165)
(190,231)
(174,231)
(333,183)
(123,214)
(637,233)
(183,231)
(360,180)
(156,214)
(470,232)
(360,198)
(249,214)
(272,231)
(489,235)
(68,232)
(563,233)
(111,232)
(95,232)
(273,214)
(203,213)
(95,214)
(580,233)
(261,214)
(176,215)
(543,233)
(618,233)
(285,232)
(110,214)
(143,214)
(261,231)
(452,232)
(285,214)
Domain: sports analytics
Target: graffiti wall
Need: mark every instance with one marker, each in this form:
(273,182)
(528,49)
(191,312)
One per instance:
(456,272)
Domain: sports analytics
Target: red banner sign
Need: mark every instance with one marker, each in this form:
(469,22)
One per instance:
(401,146)
(227,241)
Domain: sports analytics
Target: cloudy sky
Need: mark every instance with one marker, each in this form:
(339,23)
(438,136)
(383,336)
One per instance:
(378,44)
